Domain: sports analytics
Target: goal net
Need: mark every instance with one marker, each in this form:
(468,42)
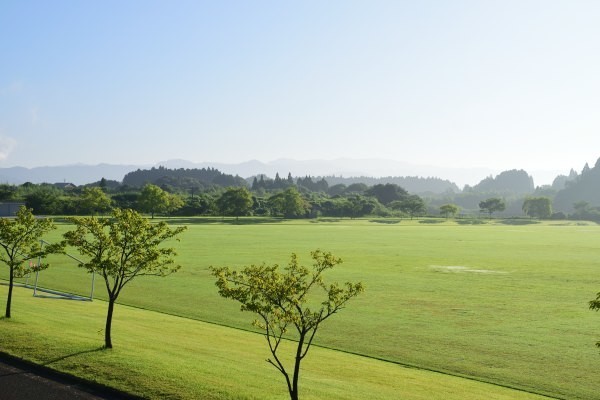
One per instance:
(63,279)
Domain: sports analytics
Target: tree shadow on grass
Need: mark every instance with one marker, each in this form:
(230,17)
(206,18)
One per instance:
(515,221)
(432,221)
(27,366)
(73,355)
(471,222)
(386,221)
(220,221)
(98,390)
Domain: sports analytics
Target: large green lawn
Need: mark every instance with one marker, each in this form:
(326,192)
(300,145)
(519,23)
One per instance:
(159,356)
(502,303)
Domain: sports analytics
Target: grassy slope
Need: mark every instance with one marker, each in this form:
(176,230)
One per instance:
(522,321)
(167,357)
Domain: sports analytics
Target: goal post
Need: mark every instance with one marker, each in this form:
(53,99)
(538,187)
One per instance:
(60,280)
(60,293)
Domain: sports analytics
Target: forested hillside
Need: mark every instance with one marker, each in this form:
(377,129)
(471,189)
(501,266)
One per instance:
(182,178)
(414,184)
(581,193)
(509,182)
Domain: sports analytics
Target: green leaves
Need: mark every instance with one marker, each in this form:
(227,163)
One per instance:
(93,199)
(121,248)
(236,201)
(124,246)
(284,295)
(20,239)
(286,299)
(492,205)
(153,199)
(595,304)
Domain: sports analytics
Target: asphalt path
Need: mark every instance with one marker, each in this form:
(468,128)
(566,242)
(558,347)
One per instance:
(24,381)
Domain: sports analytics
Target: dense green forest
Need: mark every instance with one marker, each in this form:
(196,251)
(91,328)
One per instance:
(208,191)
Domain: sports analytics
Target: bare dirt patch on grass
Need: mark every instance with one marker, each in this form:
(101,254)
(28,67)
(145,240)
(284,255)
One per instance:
(463,269)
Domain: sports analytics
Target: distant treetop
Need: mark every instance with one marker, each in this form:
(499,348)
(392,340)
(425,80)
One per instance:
(184,178)
(513,182)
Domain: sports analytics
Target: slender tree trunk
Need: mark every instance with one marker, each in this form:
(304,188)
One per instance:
(10,289)
(109,315)
(294,392)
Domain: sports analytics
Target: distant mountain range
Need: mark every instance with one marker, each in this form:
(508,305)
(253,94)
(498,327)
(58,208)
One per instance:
(345,167)
(78,174)
(81,174)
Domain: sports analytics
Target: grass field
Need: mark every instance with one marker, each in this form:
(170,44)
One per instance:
(187,359)
(501,302)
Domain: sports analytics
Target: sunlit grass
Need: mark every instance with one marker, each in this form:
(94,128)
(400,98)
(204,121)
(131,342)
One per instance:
(160,356)
(498,302)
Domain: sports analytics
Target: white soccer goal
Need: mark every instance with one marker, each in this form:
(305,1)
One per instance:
(62,280)
(53,287)
(39,291)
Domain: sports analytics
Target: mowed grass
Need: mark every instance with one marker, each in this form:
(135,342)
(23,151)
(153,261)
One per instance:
(159,356)
(500,303)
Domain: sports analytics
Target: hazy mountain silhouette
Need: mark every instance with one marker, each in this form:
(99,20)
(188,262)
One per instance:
(583,187)
(513,182)
(79,174)
(344,167)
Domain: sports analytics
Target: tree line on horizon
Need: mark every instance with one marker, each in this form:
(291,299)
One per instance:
(188,192)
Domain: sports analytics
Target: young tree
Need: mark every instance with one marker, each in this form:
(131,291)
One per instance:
(153,199)
(411,205)
(93,199)
(537,207)
(175,202)
(595,305)
(20,240)
(235,201)
(43,199)
(284,301)
(387,193)
(122,248)
(198,205)
(289,203)
(359,206)
(448,209)
(492,205)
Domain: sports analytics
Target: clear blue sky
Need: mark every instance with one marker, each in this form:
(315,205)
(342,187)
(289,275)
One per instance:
(499,84)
